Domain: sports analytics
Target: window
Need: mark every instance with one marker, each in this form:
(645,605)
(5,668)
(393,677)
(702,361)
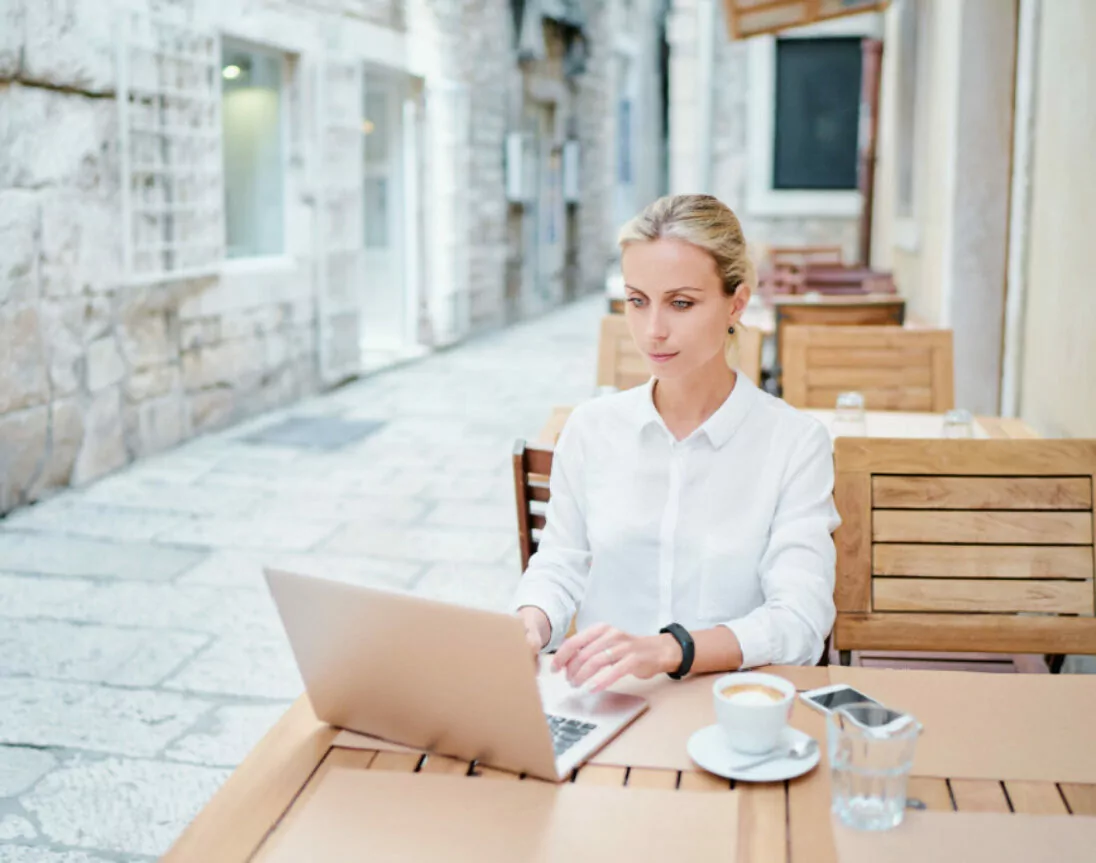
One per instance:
(254,163)
(817,113)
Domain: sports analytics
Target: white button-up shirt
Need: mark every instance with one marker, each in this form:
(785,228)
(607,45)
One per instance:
(728,527)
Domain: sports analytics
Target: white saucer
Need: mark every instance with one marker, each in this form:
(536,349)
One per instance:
(708,748)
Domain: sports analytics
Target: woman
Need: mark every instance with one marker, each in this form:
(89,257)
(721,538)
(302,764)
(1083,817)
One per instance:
(690,519)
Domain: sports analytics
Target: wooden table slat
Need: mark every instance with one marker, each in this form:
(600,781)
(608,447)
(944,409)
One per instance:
(695,780)
(978,795)
(1081,798)
(646,777)
(398,762)
(602,774)
(762,823)
(1035,798)
(932,792)
(445,764)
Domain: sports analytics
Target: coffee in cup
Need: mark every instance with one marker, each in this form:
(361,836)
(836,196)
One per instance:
(752,693)
(753,709)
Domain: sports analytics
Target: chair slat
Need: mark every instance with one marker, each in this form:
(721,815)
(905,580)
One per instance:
(982,561)
(989,493)
(959,632)
(1034,528)
(982,595)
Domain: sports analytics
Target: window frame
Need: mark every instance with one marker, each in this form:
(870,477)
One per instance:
(762,198)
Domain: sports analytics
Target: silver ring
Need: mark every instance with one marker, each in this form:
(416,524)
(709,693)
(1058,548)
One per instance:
(609,653)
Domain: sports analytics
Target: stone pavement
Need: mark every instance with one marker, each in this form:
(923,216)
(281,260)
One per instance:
(140,655)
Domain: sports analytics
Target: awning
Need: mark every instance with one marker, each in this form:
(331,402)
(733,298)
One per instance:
(752,17)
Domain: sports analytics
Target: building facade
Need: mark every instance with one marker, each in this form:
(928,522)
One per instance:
(985,181)
(211,208)
(770,124)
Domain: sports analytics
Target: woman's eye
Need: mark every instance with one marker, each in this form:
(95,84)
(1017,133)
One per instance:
(681,304)
(636,301)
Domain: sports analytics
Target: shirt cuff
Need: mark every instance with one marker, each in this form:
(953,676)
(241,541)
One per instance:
(555,609)
(754,641)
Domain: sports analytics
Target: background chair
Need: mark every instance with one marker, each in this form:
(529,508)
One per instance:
(965,545)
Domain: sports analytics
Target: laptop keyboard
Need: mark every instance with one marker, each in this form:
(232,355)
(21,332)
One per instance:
(567,732)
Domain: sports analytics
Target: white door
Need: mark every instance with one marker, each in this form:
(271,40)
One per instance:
(384,302)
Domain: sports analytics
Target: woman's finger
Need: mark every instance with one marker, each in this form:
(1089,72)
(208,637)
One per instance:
(615,672)
(613,641)
(575,643)
(604,652)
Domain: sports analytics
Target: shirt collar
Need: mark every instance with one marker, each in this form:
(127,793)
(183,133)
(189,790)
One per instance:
(720,426)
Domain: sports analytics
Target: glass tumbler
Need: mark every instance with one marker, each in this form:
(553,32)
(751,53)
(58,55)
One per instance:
(849,417)
(958,423)
(871,752)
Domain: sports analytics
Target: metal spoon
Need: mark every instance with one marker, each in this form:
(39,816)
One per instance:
(799,750)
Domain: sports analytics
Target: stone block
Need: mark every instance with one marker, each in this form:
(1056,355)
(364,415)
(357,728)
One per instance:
(71,556)
(66,435)
(226,364)
(81,244)
(19,239)
(104,364)
(32,154)
(151,383)
(211,409)
(103,448)
(68,44)
(20,768)
(23,376)
(23,446)
(68,322)
(120,805)
(158,424)
(144,335)
(12,36)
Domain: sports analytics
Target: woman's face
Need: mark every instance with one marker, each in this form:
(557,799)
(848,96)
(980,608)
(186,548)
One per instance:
(675,306)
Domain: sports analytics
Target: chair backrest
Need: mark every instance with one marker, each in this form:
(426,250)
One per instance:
(621,365)
(532,468)
(894,368)
(965,545)
(806,256)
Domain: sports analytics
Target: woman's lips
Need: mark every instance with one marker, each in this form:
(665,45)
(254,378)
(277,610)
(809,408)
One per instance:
(662,358)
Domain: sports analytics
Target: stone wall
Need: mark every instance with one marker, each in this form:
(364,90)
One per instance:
(96,371)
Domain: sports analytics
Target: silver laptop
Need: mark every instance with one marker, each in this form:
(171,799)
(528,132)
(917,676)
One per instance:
(440,677)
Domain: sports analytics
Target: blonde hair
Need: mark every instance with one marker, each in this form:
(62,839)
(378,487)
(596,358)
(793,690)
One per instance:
(702,221)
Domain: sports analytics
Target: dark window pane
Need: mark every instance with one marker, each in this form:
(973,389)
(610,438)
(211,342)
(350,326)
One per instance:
(817,113)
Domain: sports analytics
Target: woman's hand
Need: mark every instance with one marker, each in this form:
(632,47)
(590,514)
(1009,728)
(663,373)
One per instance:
(610,654)
(538,629)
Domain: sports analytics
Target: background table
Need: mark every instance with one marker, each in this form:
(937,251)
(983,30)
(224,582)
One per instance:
(880,424)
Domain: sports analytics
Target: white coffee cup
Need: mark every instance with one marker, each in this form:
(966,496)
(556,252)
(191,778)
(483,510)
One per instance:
(749,711)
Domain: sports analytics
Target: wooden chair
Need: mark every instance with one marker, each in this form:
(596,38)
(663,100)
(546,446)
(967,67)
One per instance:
(860,311)
(532,467)
(894,368)
(965,545)
(621,365)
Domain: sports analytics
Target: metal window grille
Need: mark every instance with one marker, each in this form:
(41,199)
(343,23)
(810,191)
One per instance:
(169,105)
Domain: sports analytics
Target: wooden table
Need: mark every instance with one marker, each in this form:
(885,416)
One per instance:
(787,821)
(880,424)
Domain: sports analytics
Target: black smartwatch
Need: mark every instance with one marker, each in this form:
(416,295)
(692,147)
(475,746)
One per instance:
(688,648)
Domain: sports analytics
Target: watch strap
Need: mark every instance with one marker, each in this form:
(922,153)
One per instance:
(688,648)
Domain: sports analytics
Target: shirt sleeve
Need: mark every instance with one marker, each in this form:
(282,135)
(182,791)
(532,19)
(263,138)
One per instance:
(797,567)
(555,580)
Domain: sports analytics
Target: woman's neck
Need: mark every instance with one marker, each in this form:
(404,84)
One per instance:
(686,403)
